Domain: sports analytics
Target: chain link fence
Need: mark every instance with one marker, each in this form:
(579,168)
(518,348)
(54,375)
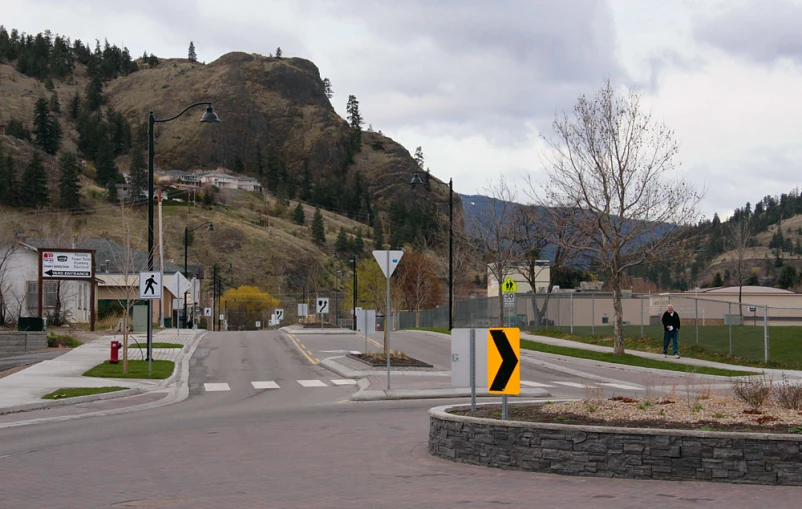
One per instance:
(751,331)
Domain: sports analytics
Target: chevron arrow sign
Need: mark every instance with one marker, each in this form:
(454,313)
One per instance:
(503,366)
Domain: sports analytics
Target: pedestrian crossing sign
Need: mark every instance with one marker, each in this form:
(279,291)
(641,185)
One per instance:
(150,285)
(509,286)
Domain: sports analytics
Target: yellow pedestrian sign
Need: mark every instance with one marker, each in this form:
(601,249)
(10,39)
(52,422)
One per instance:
(509,286)
(503,365)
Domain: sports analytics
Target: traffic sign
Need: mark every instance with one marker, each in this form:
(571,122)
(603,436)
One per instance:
(207,311)
(388,262)
(503,366)
(222,317)
(258,324)
(323,305)
(509,286)
(752,309)
(509,300)
(303,310)
(66,264)
(150,285)
(279,314)
(178,284)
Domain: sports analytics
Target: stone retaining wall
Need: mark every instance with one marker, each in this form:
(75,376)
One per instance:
(17,343)
(598,451)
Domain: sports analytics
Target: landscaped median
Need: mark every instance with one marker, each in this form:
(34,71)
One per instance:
(136,369)
(75,392)
(568,440)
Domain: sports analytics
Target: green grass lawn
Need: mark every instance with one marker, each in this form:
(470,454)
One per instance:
(74,392)
(136,369)
(155,345)
(713,344)
(441,330)
(627,359)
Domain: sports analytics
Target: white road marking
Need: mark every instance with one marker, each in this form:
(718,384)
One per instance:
(622,386)
(574,384)
(346,381)
(534,384)
(265,385)
(216,387)
(312,383)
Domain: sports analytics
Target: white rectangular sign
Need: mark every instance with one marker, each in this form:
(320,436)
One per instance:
(366,321)
(509,300)
(150,285)
(207,311)
(258,325)
(59,264)
(323,305)
(303,310)
(388,261)
(279,314)
(222,317)
(461,357)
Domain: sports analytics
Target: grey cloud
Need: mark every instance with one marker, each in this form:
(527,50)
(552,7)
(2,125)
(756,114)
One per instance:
(759,31)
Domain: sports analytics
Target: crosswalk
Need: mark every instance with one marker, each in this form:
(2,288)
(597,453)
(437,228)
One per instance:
(577,385)
(272,384)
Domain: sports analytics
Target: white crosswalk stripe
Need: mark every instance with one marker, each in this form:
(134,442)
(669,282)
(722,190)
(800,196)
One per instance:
(216,387)
(312,383)
(534,384)
(265,385)
(622,386)
(346,381)
(574,384)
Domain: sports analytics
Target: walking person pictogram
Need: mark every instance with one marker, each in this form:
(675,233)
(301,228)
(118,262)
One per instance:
(149,285)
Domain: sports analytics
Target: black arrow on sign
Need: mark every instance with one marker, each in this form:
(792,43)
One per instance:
(508,360)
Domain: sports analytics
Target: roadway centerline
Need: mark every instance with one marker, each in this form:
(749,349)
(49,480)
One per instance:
(303,349)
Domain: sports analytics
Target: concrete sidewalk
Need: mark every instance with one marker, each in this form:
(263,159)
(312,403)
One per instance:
(22,391)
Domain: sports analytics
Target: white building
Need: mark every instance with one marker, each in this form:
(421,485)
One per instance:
(220,180)
(248,184)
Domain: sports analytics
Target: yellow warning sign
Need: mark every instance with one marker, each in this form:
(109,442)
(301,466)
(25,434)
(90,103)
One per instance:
(503,365)
(509,286)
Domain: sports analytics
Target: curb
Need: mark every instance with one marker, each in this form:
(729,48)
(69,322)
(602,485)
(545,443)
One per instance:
(393,394)
(181,367)
(331,364)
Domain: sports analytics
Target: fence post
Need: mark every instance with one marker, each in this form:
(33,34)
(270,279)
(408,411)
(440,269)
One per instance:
(572,312)
(593,314)
(642,335)
(729,312)
(697,319)
(766,332)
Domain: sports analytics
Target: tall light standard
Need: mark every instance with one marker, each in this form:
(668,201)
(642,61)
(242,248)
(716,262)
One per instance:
(209,117)
(353,260)
(337,274)
(186,249)
(415,181)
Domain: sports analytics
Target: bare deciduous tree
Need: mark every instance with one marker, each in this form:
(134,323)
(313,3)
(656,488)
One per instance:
(495,233)
(740,232)
(611,179)
(418,282)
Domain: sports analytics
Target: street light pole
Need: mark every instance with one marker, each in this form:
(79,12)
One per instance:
(208,117)
(354,308)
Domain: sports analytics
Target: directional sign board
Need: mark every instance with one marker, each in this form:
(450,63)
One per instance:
(150,285)
(207,311)
(66,264)
(303,309)
(503,365)
(323,305)
(258,324)
(461,357)
(388,261)
(178,284)
(279,315)
(509,286)
(509,300)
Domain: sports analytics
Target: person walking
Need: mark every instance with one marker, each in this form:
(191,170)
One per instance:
(671,326)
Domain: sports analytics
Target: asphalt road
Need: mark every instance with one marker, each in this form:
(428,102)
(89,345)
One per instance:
(30,358)
(294,446)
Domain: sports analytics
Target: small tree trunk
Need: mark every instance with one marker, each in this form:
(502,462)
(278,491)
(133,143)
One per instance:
(618,311)
(500,306)
(125,340)
(417,317)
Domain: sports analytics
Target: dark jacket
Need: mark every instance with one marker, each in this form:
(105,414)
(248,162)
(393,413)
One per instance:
(670,320)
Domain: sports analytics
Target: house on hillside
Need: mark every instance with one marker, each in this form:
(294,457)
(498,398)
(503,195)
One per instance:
(220,180)
(249,184)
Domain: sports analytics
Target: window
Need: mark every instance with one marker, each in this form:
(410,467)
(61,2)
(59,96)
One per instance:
(32,295)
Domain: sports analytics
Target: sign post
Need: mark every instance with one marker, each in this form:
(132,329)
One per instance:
(388,261)
(150,288)
(322,307)
(503,366)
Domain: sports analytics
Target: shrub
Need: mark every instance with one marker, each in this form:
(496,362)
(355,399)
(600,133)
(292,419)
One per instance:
(755,391)
(788,395)
(55,340)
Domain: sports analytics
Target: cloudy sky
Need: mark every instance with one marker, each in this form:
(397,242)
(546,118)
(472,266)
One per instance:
(477,82)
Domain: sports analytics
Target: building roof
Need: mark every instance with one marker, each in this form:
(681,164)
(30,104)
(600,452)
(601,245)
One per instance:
(746,290)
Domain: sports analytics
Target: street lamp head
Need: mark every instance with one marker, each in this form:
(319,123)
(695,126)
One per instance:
(210,116)
(415,180)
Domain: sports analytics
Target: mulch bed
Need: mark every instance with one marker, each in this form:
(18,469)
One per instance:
(536,413)
(395,361)
(316,325)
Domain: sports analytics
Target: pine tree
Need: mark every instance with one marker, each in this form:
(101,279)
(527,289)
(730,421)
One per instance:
(341,244)
(191,55)
(358,245)
(75,106)
(717,280)
(55,105)
(137,175)
(4,191)
(378,236)
(355,121)
(105,169)
(318,228)
(9,188)
(34,191)
(111,189)
(419,157)
(69,182)
(94,94)
(298,216)
(46,129)
(327,88)
(278,52)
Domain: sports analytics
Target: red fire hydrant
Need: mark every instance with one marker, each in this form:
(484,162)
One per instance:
(115,356)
